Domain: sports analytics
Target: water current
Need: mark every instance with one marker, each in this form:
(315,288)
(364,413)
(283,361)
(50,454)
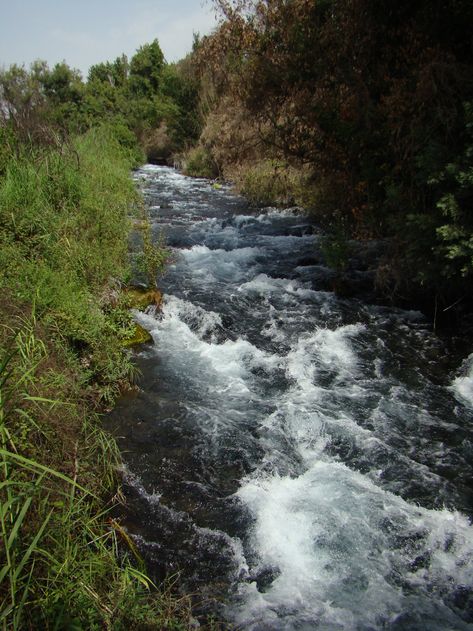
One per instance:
(304,460)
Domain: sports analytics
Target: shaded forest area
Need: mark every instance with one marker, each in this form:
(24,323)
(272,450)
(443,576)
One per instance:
(362,111)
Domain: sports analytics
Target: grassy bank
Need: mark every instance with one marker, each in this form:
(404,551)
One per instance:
(64,217)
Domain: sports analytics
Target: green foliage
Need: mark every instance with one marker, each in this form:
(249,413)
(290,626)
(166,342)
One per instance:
(64,225)
(145,69)
(122,133)
(199,163)
(116,73)
(456,232)
(59,549)
(181,87)
(154,256)
(336,249)
(66,199)
(22,102)
(64,90)
(156,101)
(140,99)
(439,240)
(64,221)
(268,182)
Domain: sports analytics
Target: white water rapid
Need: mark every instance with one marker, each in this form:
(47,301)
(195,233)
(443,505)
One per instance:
(305,460)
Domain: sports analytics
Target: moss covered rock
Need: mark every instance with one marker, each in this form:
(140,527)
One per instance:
(139,336)
(140,298)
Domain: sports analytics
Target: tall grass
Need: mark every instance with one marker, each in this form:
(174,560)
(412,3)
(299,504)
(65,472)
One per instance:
(269,182)
(64,217)
(198,162)
(64,220)
(59,547)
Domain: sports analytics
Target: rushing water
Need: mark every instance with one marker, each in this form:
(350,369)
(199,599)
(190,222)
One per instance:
(304,460)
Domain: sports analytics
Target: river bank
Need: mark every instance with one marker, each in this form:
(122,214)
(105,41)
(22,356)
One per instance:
(65,220)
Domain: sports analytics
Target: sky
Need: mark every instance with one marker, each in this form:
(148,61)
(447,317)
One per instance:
(86,32)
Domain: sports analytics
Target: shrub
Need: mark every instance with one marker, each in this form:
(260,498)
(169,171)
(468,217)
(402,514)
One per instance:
(198,162)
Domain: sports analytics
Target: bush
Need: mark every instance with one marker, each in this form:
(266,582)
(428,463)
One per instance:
(198,162)
(271,182)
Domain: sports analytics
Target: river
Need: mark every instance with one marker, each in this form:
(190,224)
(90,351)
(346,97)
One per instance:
(304,460)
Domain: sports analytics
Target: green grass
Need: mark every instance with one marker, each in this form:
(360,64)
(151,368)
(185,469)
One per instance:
(65,564)
(61,566)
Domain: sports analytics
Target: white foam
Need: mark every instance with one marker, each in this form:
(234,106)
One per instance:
(272,330)
(242,221)
(332,535)
(228,364)
(199,252)
(462,386)
(133,480)
(203,322)
(265,285)
(219,264)
(324,349)
(293,211)
(150,168)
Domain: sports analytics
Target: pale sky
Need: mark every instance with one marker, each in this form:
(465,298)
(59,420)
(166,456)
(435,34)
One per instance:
(85,32)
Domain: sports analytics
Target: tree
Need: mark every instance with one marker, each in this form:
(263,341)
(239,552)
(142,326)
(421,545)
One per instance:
(22,99)
(146,68)
(64,90)
(368,99)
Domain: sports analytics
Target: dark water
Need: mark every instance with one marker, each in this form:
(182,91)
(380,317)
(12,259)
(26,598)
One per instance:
(305,461)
